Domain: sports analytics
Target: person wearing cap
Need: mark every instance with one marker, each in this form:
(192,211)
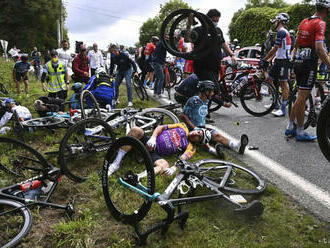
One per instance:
(95,59)
(194,115)
(20,71)
(124,66)
(22,112)
(81,66)
(57,77)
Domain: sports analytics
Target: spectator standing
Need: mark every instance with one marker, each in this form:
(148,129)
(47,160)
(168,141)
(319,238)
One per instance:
(158,61)
(124,68)
(20,71)
(58,78)
(81,66)
(95,59)
(64,55)
(47,56)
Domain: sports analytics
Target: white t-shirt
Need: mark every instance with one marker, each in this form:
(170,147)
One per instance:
(96,59)
(64,56)
(21,111)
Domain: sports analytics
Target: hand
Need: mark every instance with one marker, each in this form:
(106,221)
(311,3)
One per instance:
(170,171)
(233,59)
(151,144)
(86,74)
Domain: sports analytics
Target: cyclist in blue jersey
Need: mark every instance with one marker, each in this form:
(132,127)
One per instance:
(20,71)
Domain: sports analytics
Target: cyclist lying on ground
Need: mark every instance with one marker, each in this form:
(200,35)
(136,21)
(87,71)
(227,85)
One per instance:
(102,87)
(195,112)
(165,140)
(10,107)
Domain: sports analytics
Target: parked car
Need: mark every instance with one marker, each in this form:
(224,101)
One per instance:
(248,55)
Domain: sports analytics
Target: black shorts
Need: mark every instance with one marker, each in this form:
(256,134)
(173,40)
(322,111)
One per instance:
(279,72)
(154,154)
(305,71)
(148,67)
(20,76)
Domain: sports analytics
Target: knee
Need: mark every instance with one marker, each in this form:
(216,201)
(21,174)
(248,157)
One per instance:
(162,164)
(136,132)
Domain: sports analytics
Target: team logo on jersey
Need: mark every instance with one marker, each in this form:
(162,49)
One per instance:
(202,111)
(175,137)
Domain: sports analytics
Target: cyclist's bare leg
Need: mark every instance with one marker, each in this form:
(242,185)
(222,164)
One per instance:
(298,108)
(285,90)
(160,166)
(26,83)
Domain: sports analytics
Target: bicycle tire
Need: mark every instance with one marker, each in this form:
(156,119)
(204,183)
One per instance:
(213,106)
(138,88)
(254,102)
(323,129)
(95,112)
(124,204)
(237,175)
(9,221)
(52,121)
(19,161)
(79,154)
(158,113)
(293,98)
(145,93)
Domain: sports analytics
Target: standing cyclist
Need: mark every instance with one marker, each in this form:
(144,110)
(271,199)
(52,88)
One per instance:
(308,47)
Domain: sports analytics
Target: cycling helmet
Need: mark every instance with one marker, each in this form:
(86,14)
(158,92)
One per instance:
(235,40)
(207,136)
(100,70)
(154,38)
(282,17)
(203,86)
(9,101)
(77,87)
(53,53)
(322,3)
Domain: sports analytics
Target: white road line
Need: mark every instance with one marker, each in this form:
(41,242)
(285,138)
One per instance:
(320,195)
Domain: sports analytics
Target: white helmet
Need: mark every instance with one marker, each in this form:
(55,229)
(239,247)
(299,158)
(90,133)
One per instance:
(292,32)
(282,17)
(323,3)
(100,70)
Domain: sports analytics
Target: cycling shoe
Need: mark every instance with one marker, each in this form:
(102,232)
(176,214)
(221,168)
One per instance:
(306,137)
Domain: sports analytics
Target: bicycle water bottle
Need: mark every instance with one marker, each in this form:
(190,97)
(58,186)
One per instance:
(30,185)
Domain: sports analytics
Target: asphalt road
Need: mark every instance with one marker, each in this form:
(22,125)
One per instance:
(297,168)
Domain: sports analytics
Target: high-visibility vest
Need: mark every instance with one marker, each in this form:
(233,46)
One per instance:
(56,81)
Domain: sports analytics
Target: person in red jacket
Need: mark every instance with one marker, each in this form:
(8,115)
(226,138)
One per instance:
(81,66)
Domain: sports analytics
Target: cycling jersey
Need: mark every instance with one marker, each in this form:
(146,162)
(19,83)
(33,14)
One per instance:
(21,67)
(174,139)
(21,111)
(150,48)
(196,110)
(283,41)
(310,30)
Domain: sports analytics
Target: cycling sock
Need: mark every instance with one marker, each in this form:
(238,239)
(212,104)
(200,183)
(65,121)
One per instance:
(291,125)
(120,155)
(284,103)
(234,144)
(300,130)
(142,175)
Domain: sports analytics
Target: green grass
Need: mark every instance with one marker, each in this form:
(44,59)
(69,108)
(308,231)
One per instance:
(210,224)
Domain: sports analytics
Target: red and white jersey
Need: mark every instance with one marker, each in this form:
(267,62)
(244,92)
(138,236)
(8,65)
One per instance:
(311,30)
(283,41)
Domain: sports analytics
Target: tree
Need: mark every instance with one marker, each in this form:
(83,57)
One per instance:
(29,23)
(152,25)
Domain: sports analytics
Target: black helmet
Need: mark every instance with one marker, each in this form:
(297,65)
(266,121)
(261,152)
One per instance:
(205,85)
(53,53)
(207,136)
(77,87)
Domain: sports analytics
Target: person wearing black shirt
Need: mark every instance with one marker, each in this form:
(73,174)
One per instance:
(158,61)
(124,67)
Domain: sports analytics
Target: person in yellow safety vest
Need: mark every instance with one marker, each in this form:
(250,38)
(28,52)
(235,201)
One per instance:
(57,77)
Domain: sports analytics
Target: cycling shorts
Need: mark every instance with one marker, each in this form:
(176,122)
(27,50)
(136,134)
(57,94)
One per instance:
(305,71)
(189,66)
(20,76)
(154,154)
(148,67)
(279,72)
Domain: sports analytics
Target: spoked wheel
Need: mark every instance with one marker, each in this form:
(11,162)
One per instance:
(161,117)
(120,182)
(310,115)
(240,180)
(138,87)
(83,148)
(259,98)
(323,129)
(89,106)
(15,223)
(52,121)
(19,162)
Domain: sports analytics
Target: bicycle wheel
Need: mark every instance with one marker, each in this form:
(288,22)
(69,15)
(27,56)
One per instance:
(240,180)
(137,87)
(83,148)
(162,117)
(323,129)
(19,162)
(44,122)
(89,106)
(258,99)
(15,223)
(173,78)
(125,204)
(309,107)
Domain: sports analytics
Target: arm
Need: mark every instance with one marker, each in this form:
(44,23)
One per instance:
(133,64)
(322,53)
(229,51)
(112,65)
(187,121)
(189,152)
(271,53)
(158,131)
